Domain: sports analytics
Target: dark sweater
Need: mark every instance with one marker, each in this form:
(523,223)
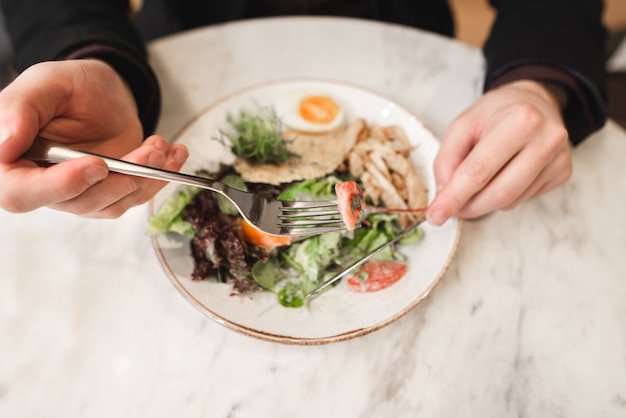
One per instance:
(557,40)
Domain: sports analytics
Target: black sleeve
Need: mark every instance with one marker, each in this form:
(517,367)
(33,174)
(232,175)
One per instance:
(67,29)
(563,35)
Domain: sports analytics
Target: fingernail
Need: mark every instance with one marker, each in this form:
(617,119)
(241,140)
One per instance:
(180,156)
(436,217)
(5,134)
(156,159)
(95,174)
(158,142)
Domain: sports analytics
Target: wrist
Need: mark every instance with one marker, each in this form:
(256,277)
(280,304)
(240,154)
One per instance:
(558,92)
(550,91)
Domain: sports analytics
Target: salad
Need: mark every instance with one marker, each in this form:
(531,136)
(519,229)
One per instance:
(291,164)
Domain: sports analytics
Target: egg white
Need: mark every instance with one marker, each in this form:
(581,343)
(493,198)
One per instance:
(287,109)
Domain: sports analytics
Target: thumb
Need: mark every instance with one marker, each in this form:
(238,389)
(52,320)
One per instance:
(27,105)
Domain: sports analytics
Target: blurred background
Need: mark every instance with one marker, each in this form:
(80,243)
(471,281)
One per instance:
(473,18)
(5,61)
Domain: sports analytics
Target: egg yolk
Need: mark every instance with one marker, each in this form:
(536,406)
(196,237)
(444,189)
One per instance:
(318,109)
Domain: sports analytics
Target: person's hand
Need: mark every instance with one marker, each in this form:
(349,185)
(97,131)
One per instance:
(83,103)
(511,145)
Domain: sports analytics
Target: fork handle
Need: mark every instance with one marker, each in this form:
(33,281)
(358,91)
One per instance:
(46,151)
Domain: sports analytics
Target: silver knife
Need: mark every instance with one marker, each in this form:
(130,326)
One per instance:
(313,293)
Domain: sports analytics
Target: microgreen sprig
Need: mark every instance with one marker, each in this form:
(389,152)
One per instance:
(257,136)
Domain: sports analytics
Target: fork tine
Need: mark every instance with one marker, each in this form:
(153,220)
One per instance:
(309,214)
(287,205)
(300,223)
(313,226)
(300,218)
(314,230)
(313,209)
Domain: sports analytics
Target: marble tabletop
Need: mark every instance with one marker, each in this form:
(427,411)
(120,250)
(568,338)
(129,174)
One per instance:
(528,321)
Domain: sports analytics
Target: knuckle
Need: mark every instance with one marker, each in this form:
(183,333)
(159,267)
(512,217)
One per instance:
(527,116)
(477,172)
(559,133)
(505,197)
(556,138)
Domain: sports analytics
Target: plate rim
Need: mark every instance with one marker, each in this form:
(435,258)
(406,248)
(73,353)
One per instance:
(276,337)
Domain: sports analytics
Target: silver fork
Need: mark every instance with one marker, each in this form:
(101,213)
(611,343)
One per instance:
(276,217)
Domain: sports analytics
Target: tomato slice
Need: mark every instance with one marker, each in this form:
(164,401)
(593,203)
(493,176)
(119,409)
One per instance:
(377,275)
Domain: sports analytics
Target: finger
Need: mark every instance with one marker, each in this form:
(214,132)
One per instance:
(115,187)
(504,189)
(176,157)
(119,192)
(457,143)
(48,186)
(520,180)
(551,177)
(483,162)
(27,104)
(99,196)
(158,142)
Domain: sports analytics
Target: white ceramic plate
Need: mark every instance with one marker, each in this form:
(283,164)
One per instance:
(337,314)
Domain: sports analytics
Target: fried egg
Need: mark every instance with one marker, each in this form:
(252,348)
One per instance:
(307,112)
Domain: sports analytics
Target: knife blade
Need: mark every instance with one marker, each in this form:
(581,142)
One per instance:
(315,292)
